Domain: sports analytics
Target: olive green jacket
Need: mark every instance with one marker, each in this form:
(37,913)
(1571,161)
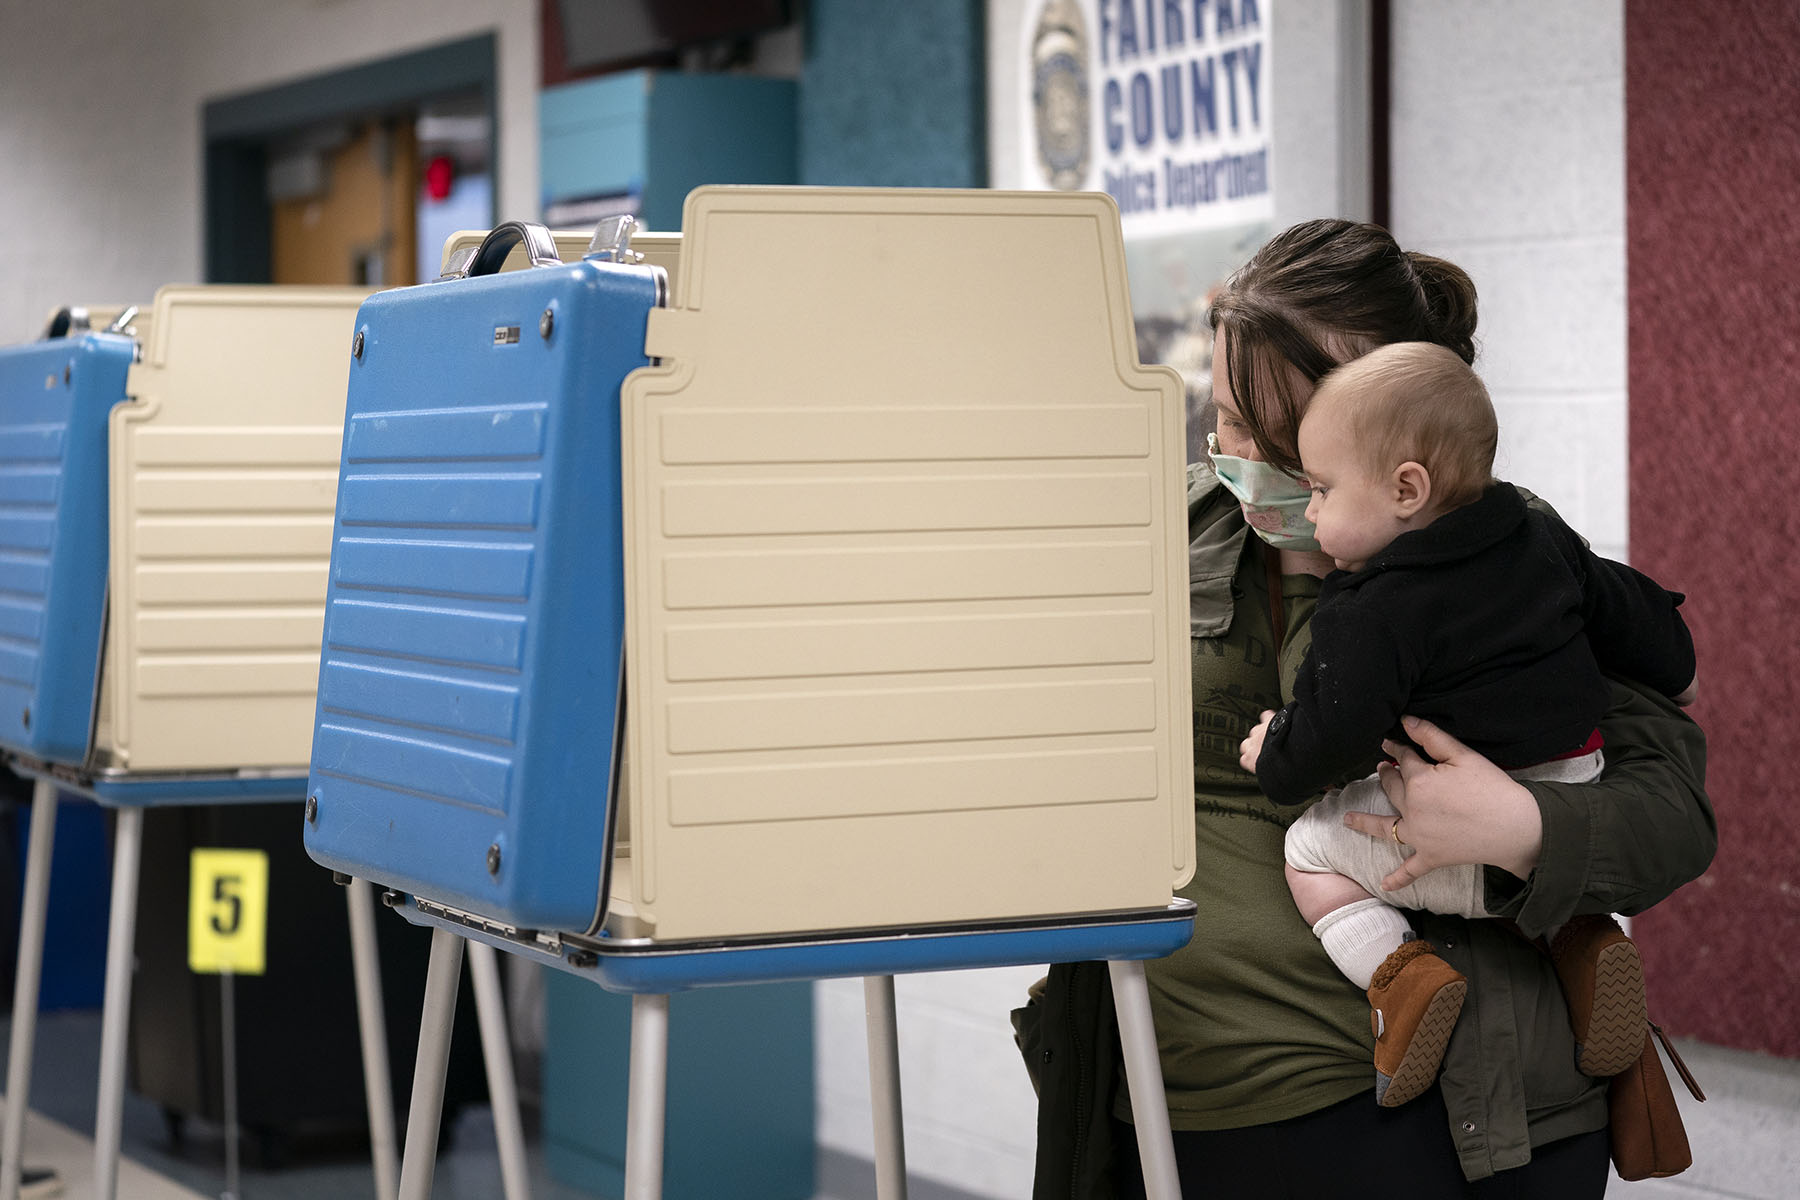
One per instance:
(1619,844)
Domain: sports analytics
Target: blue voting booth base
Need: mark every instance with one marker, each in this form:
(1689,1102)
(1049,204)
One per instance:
(75,922)
(740,1099)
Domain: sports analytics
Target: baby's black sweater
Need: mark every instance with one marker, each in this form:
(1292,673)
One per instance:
(1493,622)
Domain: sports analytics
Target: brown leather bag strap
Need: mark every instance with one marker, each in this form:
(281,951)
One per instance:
(1681,1068)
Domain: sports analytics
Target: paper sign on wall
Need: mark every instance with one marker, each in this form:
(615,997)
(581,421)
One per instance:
(1164,105)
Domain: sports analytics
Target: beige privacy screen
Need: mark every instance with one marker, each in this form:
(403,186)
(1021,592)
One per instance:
(223,480)
(906,595)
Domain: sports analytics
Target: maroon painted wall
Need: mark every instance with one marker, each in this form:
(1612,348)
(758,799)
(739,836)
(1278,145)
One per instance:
(1712,102)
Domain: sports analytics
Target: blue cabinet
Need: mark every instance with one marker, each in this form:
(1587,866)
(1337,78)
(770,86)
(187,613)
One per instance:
(656,135)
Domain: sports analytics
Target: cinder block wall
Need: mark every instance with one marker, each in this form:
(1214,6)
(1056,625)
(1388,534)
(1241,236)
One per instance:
(1509,159)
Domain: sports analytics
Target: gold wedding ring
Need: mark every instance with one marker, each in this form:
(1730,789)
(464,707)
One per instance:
(1394,832)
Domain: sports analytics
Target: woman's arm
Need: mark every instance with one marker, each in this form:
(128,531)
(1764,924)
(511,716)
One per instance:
(1620,843)
(1631,837)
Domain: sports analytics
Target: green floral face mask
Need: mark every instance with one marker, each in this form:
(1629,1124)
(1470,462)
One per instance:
(1273,501)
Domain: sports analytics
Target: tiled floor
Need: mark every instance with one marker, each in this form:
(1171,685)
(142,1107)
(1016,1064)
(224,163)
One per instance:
(53,1144)
(1746,1139)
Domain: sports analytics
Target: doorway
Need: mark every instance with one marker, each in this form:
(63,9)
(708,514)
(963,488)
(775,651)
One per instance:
(342,208)
(343,178)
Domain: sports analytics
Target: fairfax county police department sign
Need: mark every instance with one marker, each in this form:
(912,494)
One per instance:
(1163,103)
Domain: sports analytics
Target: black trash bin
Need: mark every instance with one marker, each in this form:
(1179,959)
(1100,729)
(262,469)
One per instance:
(299,1070)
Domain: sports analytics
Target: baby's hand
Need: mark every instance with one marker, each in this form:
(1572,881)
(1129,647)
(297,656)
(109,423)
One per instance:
(1250,749)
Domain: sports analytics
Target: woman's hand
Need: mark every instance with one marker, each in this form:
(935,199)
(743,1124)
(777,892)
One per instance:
(1460,809)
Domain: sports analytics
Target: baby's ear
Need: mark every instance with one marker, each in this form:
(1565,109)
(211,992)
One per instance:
(1411,489)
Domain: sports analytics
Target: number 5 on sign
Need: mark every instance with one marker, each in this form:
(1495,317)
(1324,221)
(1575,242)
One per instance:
(228,909)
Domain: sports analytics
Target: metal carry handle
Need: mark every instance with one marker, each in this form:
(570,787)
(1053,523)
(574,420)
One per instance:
(69,321)
(487,258)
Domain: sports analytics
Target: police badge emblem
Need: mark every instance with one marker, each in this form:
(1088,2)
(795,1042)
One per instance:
(1059,93)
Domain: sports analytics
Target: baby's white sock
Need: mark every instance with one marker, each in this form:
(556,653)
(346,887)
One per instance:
(1360,935)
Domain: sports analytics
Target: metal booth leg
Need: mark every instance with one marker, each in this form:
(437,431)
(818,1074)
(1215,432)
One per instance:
(884,1087)
(647,1091)
(121,931)
(26,982)
(1143,1074)
(371,1022)
(496,1051)
(427,1109)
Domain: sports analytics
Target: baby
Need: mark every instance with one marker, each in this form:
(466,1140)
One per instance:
(1456,602)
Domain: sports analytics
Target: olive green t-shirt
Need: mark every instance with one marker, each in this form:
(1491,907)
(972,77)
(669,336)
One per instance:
(1253,1021)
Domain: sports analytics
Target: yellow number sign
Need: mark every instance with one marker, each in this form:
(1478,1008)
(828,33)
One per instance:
(228,910)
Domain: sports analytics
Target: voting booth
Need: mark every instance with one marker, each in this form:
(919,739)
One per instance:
(821,614)
(168,487)
(181,484)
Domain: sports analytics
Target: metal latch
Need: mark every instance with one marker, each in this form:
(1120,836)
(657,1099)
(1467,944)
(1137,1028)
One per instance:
(612,240)
(458,266)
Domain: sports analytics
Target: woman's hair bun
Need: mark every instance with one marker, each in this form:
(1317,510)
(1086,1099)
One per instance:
(1449,302)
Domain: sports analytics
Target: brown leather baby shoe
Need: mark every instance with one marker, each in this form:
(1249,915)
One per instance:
(1414,1000)
(1603,983)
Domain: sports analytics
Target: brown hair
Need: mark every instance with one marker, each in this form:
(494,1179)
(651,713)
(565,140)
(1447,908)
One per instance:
(1319,294)
(1419,402)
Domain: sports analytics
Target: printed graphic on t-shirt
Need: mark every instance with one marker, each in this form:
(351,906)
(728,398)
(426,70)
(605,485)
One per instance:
(1235,679)
(1223,718)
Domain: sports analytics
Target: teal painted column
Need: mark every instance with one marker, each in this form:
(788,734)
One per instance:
(894,95)
(740,1104)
